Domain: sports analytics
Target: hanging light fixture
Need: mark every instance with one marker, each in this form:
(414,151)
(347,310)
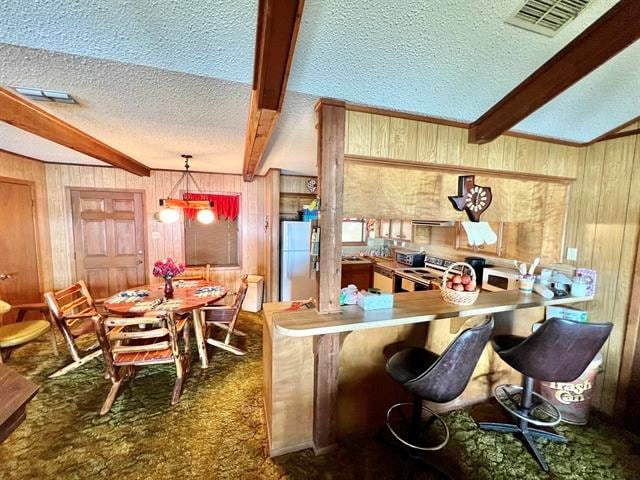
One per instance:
(171,206)
(205,216)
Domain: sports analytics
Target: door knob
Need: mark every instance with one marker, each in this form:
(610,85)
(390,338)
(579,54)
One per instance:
(139,262)
(5,276)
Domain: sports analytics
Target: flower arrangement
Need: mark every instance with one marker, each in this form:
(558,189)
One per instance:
(167,268)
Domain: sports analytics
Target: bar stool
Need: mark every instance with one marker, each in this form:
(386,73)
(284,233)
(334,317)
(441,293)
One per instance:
(558,351)
(436,378)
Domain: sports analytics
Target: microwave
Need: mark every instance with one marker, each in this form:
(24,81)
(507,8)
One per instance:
(498,279)
(411,259)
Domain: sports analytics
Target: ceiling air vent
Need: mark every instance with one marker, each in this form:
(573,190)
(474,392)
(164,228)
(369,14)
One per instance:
(45,95)
(547,17)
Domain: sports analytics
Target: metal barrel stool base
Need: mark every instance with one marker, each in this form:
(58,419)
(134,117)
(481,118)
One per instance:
(413,427)
(524,411)
(558,351)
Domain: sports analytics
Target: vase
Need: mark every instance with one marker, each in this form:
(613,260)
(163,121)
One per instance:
(168,287)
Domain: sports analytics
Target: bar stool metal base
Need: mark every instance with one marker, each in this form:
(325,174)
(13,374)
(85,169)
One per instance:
(417,409)
(523,411)
(506,396)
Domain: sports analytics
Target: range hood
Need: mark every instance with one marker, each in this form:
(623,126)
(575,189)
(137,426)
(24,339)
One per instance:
(433,223)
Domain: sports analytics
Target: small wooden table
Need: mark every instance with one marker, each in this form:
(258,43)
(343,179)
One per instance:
(185,300)
(15,392)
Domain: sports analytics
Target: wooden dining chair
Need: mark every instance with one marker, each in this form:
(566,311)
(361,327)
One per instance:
(23,331)
(131,342)
(71,310)
(196,273)
(225,317)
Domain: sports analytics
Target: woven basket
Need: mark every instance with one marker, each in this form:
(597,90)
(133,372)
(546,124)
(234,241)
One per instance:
(455,297)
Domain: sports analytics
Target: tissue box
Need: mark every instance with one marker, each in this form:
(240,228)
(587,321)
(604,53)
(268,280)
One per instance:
(567,313)
(375,301)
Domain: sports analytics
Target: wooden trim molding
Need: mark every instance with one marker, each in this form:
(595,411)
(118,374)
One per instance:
(22,114)
(627,133)
(276,34)
(602,40)
(458,170)
(606,135)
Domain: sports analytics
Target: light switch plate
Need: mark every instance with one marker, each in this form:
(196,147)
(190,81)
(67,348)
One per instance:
(155,235)
(572,254)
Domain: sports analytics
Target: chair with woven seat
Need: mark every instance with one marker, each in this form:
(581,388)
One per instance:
(558,351)
(71,309)
(131,342)
(225,317)
(23,331)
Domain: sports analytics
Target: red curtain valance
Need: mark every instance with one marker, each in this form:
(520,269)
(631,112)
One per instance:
(224,206)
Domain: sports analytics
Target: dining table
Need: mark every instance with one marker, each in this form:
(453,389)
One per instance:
(189,297)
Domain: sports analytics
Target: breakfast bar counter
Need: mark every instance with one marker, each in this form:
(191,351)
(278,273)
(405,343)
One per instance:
(410,307)
(325,376)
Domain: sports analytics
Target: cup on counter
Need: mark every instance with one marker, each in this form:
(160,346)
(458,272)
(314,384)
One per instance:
(525,283)
(579,287)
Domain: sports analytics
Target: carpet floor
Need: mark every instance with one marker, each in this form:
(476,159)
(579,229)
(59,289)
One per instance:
(217,431)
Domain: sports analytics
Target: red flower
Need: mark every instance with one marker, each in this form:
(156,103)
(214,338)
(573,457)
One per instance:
(167,268)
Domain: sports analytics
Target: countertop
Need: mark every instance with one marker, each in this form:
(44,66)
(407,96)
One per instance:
(411,307)
(362,261)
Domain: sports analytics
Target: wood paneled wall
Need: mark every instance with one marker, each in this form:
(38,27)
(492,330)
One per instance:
(15,166)
(603,224)
(294,184)
(170,241)
(603,208)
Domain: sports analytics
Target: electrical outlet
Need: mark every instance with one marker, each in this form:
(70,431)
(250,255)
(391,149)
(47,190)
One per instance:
(155,235)
(572,254)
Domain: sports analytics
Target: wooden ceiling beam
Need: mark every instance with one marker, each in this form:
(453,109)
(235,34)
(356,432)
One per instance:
(602,40)
(276,34)
(24,115)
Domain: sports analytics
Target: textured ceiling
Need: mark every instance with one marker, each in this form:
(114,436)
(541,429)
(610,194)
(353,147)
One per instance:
(448,58)
(154,115)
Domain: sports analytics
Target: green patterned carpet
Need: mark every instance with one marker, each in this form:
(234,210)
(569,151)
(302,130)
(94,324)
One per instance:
(217,432)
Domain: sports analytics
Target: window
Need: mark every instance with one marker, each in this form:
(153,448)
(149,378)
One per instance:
(216,244)
(354,231)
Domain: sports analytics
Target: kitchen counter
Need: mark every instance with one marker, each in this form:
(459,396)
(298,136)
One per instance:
(322,364)
(411,307)
(359,261)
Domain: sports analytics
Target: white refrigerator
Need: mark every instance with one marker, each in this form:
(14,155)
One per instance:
(297,277)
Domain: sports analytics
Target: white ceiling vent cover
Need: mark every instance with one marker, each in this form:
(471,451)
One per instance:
(546,17)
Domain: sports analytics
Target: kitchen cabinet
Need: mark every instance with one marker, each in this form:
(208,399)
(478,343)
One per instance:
(401,230)
(359,274)
(407,230)
(385,228)
(291,203)
(396,229)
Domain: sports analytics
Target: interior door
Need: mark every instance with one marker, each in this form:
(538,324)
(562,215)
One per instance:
(19,280)
(108,231)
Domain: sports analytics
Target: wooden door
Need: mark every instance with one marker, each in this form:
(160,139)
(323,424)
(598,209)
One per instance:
(108,231)
(19,280)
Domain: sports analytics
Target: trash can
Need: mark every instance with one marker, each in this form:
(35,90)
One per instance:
(573,399)
(253,300)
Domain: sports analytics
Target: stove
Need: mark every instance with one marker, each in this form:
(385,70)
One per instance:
(415,279)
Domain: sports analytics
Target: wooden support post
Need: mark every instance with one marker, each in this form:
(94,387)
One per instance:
(331,130)
(325,389)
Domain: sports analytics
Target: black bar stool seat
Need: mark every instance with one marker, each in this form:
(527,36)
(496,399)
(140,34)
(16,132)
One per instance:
(558,351)
(435,378)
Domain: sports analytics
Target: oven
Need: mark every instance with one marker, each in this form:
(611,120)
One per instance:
(498,279)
